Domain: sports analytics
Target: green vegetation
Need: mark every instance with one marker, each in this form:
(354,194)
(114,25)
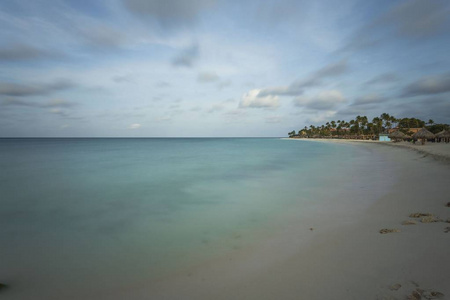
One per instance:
(361,127)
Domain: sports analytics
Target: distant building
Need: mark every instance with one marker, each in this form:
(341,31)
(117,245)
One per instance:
(384,137)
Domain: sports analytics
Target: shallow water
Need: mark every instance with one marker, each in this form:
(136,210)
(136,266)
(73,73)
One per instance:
(82,216)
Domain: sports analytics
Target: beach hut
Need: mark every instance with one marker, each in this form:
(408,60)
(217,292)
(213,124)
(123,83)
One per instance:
(444,135)
(397,136)
(384,137)
(423,135)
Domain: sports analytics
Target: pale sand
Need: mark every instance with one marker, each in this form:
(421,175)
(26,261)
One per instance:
(439,151)
(345,256)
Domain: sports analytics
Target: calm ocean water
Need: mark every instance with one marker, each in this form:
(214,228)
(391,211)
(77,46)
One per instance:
(80,216)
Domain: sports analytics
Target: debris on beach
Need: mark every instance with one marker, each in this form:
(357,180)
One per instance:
(430,219)
(447,229)
(432,295)
(413,292)
(409,222)
(311,229)
(435,295)
(419,294)
(448,204)
(415,295)
(3,286)
(395,287)
(418,215)
(386,230)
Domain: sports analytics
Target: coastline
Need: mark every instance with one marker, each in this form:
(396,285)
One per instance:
(345,256)
(438,151)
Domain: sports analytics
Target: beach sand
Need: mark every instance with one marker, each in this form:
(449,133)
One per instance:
(344,256)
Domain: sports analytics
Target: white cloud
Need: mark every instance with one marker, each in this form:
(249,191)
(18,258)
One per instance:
(325,100)
(134,126)
(253,99)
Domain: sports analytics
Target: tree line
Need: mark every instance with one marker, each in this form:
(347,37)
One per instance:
(362,126)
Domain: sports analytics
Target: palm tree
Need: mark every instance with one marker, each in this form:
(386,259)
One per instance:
(378,124)
(386,118)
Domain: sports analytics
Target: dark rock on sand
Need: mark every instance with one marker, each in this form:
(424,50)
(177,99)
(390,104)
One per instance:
(3,286)
(447,229)
(386,230)
(448,204)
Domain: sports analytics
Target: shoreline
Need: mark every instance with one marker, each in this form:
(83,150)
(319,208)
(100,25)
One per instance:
(438,151)
(344,256)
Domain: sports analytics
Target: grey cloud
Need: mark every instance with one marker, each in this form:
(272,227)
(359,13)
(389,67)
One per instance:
(169,13)
(59,112)
(59,103)
(331,70)
(383,79)
(23,90)
(224,84)
(422,109)
(290,90)
(122,78)
(55,103)
(428,86)
(419,18)
(205,77)
(414,19)
(369,99)
(352,111)
(274,12)
(18,52)
(187,57)
(162,84)
(216,107)
(297,87)
(10,101)
(274,119)
(103,37)
(325,100)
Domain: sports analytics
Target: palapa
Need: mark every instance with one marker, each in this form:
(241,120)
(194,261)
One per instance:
(397,135)
(443,135)
(423,134)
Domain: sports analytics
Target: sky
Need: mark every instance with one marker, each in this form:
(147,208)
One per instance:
(217,68)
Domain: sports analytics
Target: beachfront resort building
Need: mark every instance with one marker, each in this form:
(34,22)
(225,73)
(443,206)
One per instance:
(383,137)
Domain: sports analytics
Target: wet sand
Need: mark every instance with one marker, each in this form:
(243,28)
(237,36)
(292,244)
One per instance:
(341,254)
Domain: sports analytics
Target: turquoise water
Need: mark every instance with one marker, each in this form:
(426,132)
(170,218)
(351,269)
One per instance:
(80,216)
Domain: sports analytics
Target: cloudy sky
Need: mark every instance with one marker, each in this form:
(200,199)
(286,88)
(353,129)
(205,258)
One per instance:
(217,67)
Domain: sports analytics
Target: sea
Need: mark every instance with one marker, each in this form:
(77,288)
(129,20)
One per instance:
(82,216)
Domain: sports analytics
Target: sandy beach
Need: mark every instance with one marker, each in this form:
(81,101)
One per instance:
(340,253)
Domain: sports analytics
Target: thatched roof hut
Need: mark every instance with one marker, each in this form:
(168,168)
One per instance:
(443,135)
(423,135)
(397,135)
